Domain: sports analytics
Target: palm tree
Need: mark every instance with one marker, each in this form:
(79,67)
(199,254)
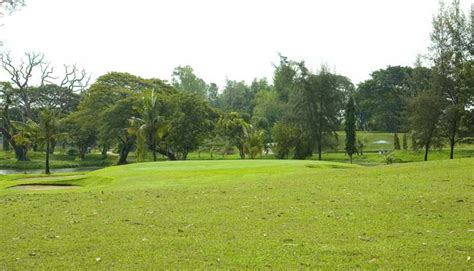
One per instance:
(254,140)
(45,131)
(49,131)
(151,127)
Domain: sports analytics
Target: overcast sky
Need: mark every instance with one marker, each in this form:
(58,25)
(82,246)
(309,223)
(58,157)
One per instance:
(235,39)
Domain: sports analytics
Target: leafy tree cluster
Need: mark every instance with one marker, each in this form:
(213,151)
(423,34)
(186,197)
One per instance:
(294,115)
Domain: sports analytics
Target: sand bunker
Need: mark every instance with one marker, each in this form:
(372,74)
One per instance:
(52,178)
(41,187)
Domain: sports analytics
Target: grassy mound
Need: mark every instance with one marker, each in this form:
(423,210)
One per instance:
(245,214)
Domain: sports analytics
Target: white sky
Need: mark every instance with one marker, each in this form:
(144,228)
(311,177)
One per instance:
(235,39)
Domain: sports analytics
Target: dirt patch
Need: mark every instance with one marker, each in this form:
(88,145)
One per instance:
(41,187)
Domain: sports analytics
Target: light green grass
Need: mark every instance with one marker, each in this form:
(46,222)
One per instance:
(245,215)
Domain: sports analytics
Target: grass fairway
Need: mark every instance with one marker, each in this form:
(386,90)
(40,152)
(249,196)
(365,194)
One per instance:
(277,214)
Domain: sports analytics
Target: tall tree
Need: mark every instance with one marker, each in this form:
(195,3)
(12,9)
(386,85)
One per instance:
(151,125)
(47,130)
(450,53)
(34,65)
(425,111)
(232,127)
(350,128)
(81,132)
(267,111)
(396,142)
(183,78)
(405,142)
(213,94)
(317,104)
(284,77)
(190,123)
(109,103)
(382,100)
(236,97)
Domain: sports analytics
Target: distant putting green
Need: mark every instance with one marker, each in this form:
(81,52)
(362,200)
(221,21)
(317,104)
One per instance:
(275,214)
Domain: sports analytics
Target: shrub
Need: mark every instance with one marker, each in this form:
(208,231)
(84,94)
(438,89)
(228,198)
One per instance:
(388,158)
(72,152)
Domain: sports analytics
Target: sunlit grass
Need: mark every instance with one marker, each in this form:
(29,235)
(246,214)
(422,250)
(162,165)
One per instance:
(245,215)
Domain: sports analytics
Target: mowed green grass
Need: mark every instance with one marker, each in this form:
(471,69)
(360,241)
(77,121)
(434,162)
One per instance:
(273,214)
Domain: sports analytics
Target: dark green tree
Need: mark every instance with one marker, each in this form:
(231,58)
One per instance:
(452,73)
(183,78)
(405,143)
(350,128)
(396,142)
(109,103)
(284,78)
(80,132)
(414,144)
(190,124)
(236,97)
(317,103)
(291,138)
(425,111)
(382,100)
(45,131)
(232,127)
(151,126)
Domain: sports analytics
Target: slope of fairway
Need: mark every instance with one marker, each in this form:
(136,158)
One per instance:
(244,214)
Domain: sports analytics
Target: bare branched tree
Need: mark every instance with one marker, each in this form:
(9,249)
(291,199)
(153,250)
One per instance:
(46,74)
(74,81)
(21,74)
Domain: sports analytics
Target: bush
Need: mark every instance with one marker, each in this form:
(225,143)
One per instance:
(72,152)
(388,158)
(229,150)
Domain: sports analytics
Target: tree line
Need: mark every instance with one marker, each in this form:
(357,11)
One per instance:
(296,115)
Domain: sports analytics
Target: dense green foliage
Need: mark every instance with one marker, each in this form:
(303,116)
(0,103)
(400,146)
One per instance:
(296,114)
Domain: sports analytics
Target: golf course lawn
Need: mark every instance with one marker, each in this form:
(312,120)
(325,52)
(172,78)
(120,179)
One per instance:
(276,214)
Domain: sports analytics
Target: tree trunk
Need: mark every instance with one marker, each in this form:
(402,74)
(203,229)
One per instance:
(320,131)
(154,154)
(452,142)
(82,153)
(20,152)
(52,147)
(350,155)
(185,154)
(427,148)
(169,154)
(320,151)
(104,152)
(241,152)
(6,144)
(123,154)
(46,171)
(452,139)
